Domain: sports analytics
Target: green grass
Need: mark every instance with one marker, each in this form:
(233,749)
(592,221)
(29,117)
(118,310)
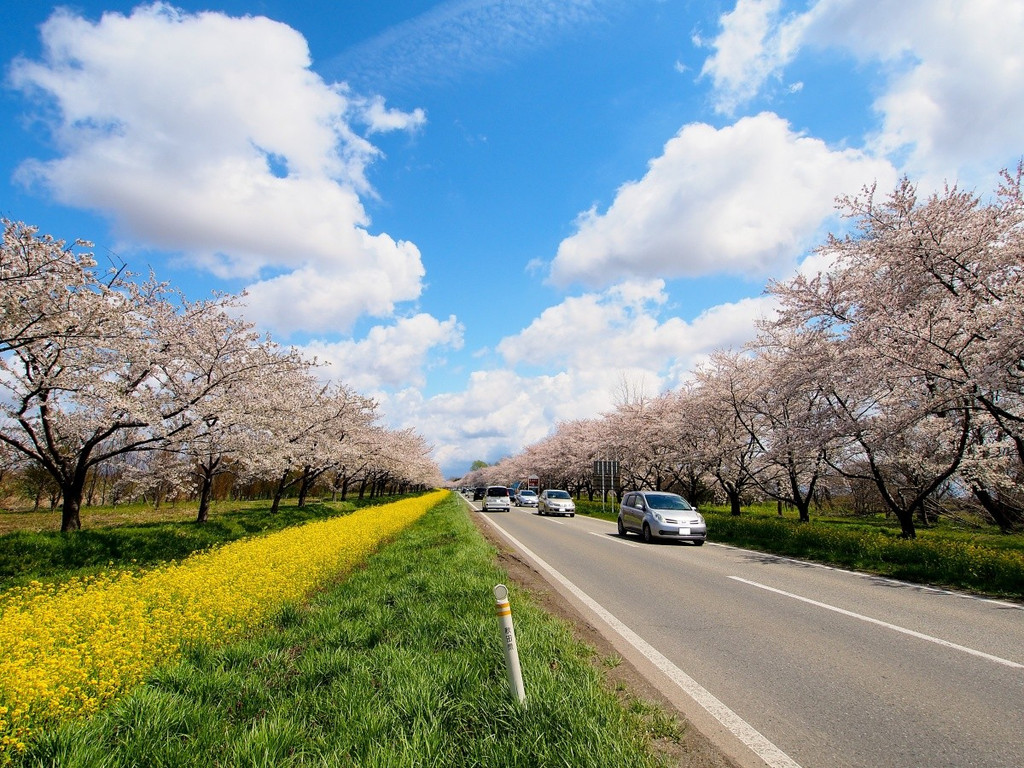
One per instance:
(51,555)
(947,554)
(402,664)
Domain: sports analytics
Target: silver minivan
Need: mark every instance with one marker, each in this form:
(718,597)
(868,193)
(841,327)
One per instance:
(496,498)
(658,515)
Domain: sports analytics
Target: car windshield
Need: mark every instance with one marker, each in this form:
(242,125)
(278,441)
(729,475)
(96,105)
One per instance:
(666,501)
(527,493)
(558,495)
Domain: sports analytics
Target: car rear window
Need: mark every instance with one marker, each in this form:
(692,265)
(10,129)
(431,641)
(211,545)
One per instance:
(497,491)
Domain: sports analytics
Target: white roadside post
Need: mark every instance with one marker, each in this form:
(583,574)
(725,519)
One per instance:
(515,674)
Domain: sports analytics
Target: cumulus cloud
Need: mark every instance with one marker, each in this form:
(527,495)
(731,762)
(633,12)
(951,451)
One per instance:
(499,412)
(211,136)
(952,99)
(746,199)
(589,346)
(389,357)
(624,328)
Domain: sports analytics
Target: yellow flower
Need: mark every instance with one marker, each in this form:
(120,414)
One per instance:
(67,650)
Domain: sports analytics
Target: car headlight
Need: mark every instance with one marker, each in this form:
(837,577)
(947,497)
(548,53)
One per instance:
(658,517)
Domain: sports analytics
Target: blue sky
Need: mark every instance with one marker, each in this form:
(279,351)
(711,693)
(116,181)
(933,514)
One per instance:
(493,215)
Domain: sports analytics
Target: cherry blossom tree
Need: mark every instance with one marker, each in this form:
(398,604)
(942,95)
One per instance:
(122,371)
(41,280)
(729,451)
(930,294)
(787,413)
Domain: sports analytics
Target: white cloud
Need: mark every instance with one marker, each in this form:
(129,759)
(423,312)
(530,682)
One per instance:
(211,136)
(951,101)
(748,51)
(499,412)
(381,119)
(389,357)
(459,36)
(747,199)
(623,329)
(589,345)
(954,100)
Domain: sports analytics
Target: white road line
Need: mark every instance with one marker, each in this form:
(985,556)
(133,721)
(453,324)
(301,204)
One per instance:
(618,540)
(740,728)
(887,625)
(875,577)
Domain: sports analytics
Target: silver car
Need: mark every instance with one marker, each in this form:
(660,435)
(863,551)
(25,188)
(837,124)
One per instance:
(554,502)
(496,498)
(658,515)
(526,498)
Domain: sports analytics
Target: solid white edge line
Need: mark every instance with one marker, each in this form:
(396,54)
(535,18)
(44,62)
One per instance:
(887,625)
(740,728)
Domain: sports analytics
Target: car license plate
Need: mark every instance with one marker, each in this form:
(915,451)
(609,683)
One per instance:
(684,531)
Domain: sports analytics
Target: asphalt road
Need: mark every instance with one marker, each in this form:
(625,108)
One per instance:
(793,664)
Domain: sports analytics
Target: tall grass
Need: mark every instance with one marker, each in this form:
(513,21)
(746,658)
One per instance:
(401,664)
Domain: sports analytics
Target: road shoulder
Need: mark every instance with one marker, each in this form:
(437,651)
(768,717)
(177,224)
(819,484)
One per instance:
(694,750)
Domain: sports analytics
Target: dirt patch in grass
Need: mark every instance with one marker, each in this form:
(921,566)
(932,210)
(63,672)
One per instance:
(693,749)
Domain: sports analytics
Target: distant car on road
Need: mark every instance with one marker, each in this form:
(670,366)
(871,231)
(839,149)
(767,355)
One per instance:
(496,498)
(555,502)
(526,498)
(478,492)
(657,515)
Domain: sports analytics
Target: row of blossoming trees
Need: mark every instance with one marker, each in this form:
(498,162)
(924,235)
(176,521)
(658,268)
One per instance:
(898,370)
(99,373)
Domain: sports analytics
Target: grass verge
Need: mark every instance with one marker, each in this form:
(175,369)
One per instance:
(975,561)
(401,664)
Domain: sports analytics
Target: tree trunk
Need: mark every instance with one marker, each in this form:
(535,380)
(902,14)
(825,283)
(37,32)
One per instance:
(307,481)
(278,493)
(204,497)
(1004,515)
(907,529)
(70,517)
(734,503)
(733,494)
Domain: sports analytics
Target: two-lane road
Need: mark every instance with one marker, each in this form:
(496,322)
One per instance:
(829,668)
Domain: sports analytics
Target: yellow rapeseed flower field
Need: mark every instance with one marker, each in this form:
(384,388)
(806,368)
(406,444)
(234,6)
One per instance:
(66,650)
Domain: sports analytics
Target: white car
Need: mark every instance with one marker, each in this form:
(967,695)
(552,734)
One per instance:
(554,502)
(526,498)
(496,499)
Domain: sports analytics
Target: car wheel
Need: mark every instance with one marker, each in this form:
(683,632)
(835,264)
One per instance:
(572,514)
(622,528)
(648,536)
(699,542)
